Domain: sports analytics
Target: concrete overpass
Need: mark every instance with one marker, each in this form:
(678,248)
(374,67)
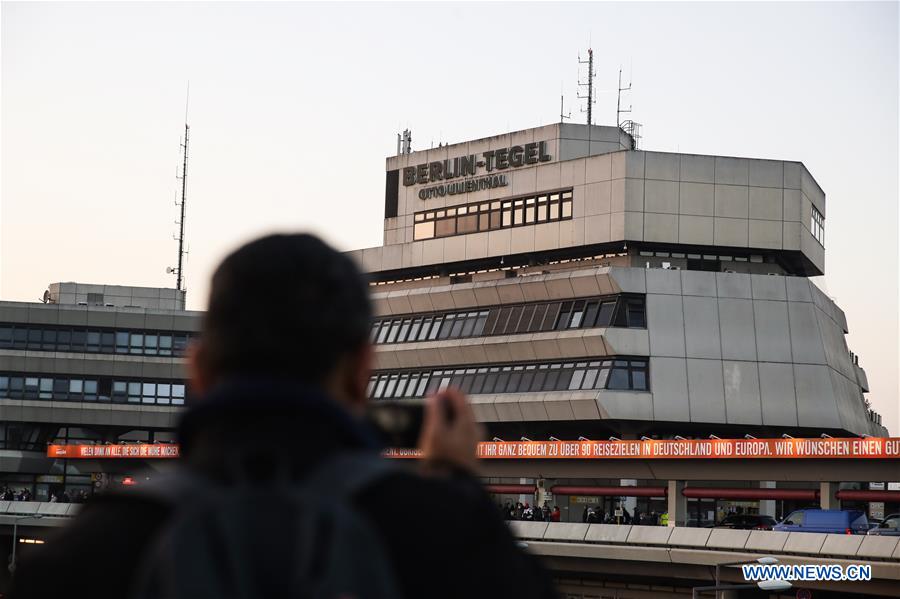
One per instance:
(608,560)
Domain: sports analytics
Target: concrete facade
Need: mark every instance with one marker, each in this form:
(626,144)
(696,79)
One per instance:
(720,248)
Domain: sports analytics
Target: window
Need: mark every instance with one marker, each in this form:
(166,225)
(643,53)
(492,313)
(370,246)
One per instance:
(614,374)
(817,226)
(488,216)
(622,311)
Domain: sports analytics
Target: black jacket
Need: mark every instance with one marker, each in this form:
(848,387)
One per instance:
(444,534)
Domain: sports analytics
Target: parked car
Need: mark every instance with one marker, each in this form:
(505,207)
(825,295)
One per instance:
(889,527)
(834,521)
(745,522)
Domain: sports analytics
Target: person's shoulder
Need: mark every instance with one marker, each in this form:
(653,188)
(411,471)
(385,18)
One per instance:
(122,522)
(448,488)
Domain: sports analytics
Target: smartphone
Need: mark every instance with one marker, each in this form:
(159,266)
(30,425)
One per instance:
(398,423)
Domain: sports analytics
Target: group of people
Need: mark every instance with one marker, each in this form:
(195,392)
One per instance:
(523,511)
(7,494)
(596,515)
(79,496)
(25,494)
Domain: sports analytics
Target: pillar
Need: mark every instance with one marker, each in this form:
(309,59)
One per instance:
(827,500)
(767,506)
(629,503)
(677,503)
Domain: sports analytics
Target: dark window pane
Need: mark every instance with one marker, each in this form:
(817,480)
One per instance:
(590,314)
(636,313)
(514,379)
(445,227)
(491,321)
(466,384)
(456,331)
(618,379)
(467,224)
(525,321)
(6,337)
(478,381)
(539,378)
(49,339)
(565,314)
(620,318)
(513,322)
(550,317)
(527,379)
(20,338)
(63,339)
(373,337)
(502,381)
(490,380)
(480,321)
(34,339)
(539,311)
(469,325)
(122,342)
(447,326)
(502,320)
(550,383)
(604,318)
(565,377)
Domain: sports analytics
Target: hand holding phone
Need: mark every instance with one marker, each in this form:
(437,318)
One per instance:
(450,433)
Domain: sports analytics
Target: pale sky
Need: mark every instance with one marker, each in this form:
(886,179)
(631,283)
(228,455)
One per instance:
(293,108)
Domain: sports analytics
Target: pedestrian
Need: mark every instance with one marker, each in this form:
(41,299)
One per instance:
(277,397)
(555,514)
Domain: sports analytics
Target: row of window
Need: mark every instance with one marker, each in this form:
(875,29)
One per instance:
(492,215)
(621,311)
(616,373)
(817,226)
(103,389)
(50,338)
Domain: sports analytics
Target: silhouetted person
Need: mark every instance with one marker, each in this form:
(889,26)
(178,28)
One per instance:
(278,389)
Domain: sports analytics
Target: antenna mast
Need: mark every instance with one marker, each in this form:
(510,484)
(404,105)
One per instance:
(590,84)
(562,114)
(619,110)
(179,272)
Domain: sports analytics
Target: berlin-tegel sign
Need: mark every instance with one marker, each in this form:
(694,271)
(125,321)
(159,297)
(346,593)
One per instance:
(868,447)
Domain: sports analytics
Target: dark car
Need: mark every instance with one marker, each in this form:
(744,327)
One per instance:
(889,527)
(745,522)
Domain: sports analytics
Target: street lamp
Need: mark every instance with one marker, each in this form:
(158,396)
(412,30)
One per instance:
(765,585)
(766,560)
(12,559)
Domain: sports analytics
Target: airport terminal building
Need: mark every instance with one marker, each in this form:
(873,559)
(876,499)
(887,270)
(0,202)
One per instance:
(571,285)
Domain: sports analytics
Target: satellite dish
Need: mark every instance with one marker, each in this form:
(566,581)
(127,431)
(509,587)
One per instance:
(46,296)
(169,270)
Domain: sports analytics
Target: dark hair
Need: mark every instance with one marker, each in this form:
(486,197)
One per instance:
(286,307)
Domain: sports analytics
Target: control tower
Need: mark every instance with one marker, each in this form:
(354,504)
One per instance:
(573,285)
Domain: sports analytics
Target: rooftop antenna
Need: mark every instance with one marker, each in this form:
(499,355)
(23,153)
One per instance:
(628,126)
(178,271)
(404,142)
(590,84)
(619,110)
(562,114)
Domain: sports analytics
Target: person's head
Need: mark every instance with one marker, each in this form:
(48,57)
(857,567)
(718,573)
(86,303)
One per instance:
(287,308)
